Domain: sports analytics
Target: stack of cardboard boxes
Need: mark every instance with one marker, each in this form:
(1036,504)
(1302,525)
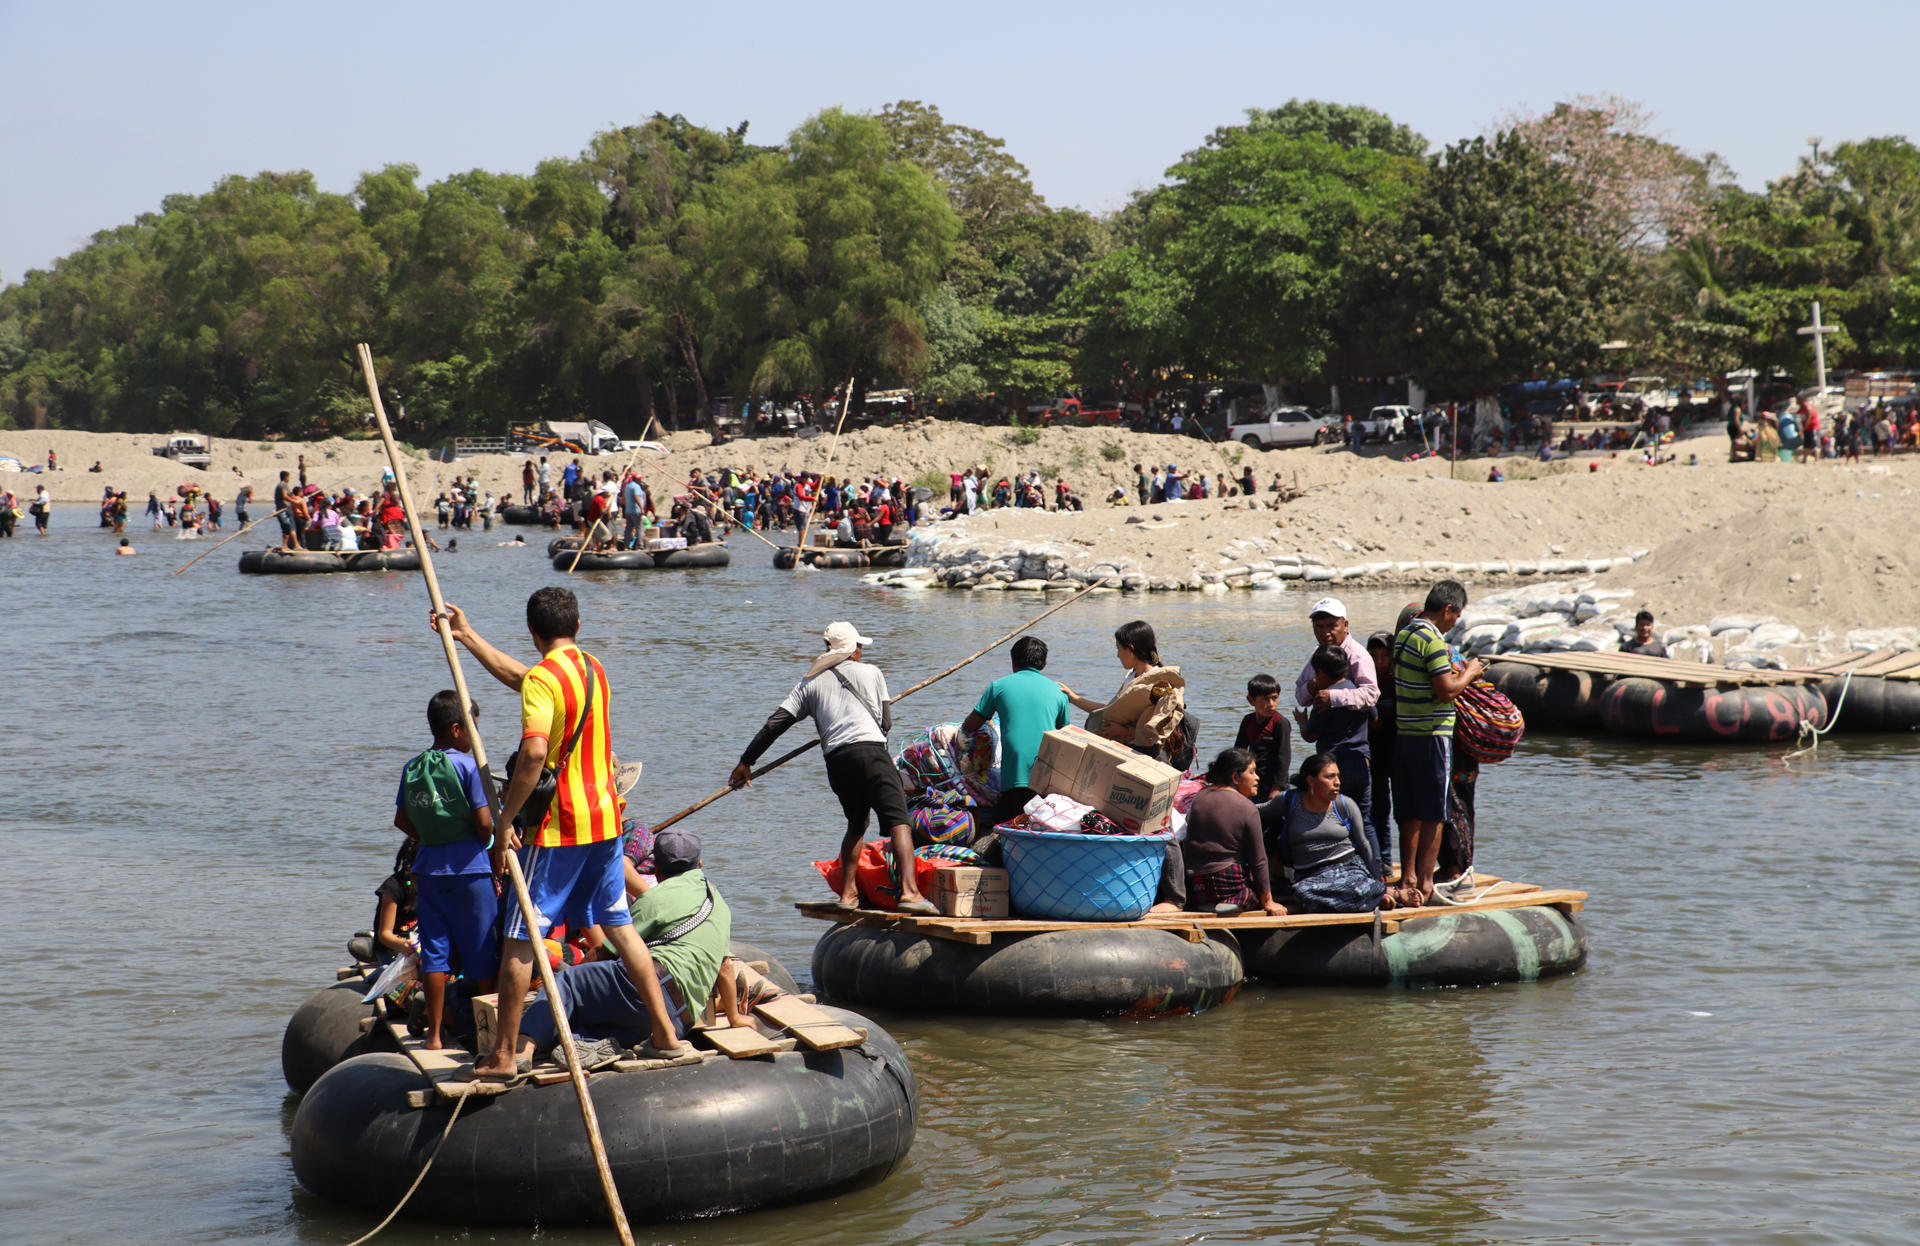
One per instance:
(1135,791)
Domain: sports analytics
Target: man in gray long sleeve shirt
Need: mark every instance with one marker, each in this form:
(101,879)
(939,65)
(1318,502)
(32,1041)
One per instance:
(847,700)
(1329,619)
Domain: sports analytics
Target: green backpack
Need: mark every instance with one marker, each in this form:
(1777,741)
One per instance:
(437,802)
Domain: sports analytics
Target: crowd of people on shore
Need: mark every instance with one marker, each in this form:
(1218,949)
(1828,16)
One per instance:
(1799,433)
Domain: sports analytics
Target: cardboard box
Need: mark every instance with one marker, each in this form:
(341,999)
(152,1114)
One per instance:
(1132,789)
(972,891)
(486,1020)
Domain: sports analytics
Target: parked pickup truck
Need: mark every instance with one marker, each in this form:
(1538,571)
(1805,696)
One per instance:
(1287,426)
(1386,424)
(188,449)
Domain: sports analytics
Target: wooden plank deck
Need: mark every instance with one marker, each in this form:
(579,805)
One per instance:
(1671,670)
(1491,893)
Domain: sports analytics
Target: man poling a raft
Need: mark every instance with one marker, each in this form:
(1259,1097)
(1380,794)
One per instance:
(851,712)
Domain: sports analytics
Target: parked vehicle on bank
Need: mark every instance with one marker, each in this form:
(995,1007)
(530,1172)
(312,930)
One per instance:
(1287,426)
(187,449)
(1389,423)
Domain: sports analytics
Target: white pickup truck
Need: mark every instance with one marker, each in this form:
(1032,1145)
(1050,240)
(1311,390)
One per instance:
(1286,426)
(1386,424)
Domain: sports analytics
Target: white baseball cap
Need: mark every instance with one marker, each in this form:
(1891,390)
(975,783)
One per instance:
(1332,606)
(845,637)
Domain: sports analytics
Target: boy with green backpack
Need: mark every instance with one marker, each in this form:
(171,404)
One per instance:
(443,805)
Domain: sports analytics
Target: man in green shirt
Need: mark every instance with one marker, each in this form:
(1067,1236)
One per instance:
(1028,705)
(1425,682)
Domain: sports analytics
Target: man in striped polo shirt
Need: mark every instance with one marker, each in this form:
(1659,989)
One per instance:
(573,864)
(1425,682)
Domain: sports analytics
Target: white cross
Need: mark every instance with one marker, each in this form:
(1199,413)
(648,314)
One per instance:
(1818,332)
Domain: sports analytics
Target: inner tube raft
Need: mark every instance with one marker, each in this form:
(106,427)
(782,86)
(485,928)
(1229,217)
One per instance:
(1064,973)
(709,554)
(1453,949)
(324,562)
(1872,703)
(1768,713)
(326,1028)
(521,515)
(617,560)
(695,1140)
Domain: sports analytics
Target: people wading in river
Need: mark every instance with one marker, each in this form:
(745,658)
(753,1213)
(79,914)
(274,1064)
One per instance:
(573,864)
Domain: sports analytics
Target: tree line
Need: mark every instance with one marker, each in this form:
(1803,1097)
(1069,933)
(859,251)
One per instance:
(668,265)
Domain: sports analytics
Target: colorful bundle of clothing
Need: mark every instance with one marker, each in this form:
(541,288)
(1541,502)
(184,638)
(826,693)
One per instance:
(941,767)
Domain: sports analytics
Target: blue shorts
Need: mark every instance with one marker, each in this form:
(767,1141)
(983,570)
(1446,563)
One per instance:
(1422,768)
(580,886)
(457,914)
(601,1002)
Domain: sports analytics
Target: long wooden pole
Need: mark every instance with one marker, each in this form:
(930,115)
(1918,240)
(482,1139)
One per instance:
(784,758)
(244,529)
(631,460)
(527,913)
(800,541)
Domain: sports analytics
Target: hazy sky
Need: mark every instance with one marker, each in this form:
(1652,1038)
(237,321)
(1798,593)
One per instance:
(106,108)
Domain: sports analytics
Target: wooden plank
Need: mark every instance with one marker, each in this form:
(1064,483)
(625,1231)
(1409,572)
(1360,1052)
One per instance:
(740,1042)
(1639,666)
(1524,900)
(829,1037)
(814,1028)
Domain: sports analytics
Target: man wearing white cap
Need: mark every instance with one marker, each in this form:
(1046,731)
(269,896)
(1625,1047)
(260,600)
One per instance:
(1329,619)
(851,712)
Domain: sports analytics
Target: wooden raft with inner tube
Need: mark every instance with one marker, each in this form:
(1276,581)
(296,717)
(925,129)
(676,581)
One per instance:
(1665,698)
(1175,963)
(840,557)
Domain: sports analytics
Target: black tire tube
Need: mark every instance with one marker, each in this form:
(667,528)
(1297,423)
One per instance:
(1455,949)
(288,562)
(1754,713)
(698,1140)
(562,545)
(841,559)
(1070,973)
(326,1028)
(785,557)
(708,555)
(1872,704)
(520,514)
(892,556)
(1550,699)
(622,560)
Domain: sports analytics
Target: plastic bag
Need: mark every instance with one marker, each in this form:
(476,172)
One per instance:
(399,971)
(874,876)
(1056,813)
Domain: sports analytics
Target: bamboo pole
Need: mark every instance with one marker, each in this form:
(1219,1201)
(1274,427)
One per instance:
(244,529)
(784,758)
(833,450)
(631,460)
(527,913)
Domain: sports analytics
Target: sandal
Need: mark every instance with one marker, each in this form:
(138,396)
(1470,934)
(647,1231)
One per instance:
(594,1055)
(919,908)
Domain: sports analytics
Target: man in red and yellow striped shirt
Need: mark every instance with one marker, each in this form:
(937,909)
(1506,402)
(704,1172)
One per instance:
(573,863)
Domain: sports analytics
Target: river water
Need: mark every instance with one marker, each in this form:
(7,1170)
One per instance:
(204,768)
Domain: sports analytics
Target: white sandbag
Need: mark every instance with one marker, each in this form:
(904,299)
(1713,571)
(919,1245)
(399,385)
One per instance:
(1319,574)
(1496,568)
(1480,616)
(1290,571)
(1748,658)
(1740,622)
(1774,635)
(1484,638)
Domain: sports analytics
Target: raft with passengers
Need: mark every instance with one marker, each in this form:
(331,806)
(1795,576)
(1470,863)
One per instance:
(661,553)
(1080,871)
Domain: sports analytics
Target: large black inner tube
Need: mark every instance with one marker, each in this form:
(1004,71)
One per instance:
(711,554)
(1075,973)
(720,1136)
(1872,703)
(1454,949)
(619,560)
(1764,712)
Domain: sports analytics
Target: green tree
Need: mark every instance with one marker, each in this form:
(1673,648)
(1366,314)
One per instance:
(878,233)
(1351,126)
(1490,276)
(1243,257)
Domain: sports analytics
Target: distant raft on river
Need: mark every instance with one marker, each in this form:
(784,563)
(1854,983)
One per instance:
(1664,698)
(326,562)
(835,557)
(561,551)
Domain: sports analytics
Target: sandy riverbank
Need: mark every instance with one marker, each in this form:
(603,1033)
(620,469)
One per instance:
(1822,546)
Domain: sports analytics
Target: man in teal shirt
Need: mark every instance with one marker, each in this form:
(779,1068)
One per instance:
(1028,705)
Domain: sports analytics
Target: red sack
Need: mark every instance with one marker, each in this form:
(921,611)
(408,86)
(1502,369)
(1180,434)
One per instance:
(874,877)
